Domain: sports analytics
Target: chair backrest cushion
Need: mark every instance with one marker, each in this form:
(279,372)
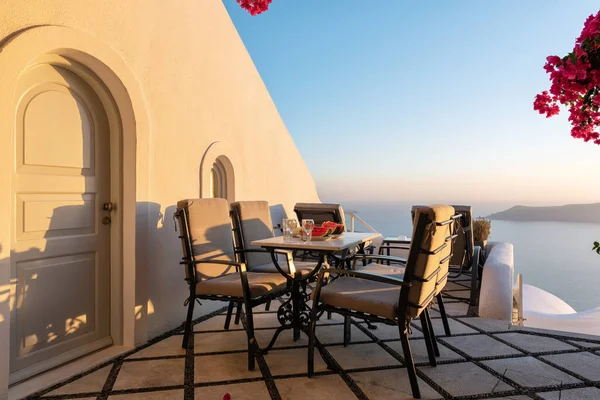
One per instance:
(424,261)
(462,252)
(254,219)
(320,212)
(209,234)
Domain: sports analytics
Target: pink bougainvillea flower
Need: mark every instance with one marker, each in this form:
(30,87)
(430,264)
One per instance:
(590,28)
(575,83)
(254,7)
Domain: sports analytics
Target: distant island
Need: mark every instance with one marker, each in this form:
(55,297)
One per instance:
(589,213)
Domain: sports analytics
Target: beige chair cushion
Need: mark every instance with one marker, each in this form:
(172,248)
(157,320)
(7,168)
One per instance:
(231,285)
(464,241)
(425,268)
(305,267)
(385,270)
(256,224)
(435,236)
(210,234)
(459,249)
(442,277)
(382,299)
(362,295)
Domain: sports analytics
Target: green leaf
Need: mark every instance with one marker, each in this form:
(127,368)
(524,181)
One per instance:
(573,58)
(587,97)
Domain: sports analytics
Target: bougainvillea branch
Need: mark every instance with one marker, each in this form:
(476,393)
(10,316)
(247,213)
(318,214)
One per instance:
(254,7)
(575,83)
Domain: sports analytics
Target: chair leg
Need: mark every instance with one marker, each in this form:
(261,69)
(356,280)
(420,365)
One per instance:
(328,314)
(436,349)
(440,302)
(238,312)
(228,317)
(370,325)
(296,308)
(312,326)
(475,276)
(428,339)
(474,281)
(408,360)
(268,305)
(347,330)
(252,345)
(188,323)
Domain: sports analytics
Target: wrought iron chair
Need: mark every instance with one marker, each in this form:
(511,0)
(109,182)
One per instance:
(211,271)
(320,212)
(391,300)
(252,221)
(465,257)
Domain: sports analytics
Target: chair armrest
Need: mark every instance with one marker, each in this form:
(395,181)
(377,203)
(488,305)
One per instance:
(251,251)
(239,266)
(399,260)
(369,276)
(277,251)
(392,244)
(221,262)
(394,241)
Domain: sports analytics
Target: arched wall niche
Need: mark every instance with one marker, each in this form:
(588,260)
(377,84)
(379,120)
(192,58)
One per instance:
(224,156)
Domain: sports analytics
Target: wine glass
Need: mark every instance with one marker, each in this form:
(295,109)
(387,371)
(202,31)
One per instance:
(307,227)
(289,225)
(286,231)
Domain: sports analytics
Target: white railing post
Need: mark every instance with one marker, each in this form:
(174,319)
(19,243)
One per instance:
(353,217)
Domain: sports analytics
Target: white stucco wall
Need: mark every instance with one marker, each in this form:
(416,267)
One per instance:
(544,310)
(191,83)
(496,294)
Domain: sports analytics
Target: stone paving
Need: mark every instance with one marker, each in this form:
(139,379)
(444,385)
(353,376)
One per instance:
(482,359)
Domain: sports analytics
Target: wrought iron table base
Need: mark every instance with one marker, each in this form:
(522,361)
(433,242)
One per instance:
(294,313)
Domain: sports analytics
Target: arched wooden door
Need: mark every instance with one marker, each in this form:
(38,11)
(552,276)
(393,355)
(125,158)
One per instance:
(60,250)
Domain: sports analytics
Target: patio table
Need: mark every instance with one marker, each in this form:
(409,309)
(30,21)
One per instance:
(294,313)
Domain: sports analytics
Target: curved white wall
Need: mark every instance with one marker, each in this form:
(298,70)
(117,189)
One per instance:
(496,295)
(544,310)
(193,83)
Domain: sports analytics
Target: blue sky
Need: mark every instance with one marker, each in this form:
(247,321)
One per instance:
(389,99)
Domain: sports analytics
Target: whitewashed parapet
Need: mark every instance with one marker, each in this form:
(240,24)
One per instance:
(496,296)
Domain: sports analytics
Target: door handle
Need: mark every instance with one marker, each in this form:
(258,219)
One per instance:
(108,206)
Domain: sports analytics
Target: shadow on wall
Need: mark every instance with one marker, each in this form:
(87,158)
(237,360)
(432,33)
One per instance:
(278,213)
(44,297)
(160,285)
(161,289)
(52,293)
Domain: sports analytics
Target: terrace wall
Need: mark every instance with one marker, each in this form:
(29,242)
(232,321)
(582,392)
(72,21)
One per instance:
(192,85)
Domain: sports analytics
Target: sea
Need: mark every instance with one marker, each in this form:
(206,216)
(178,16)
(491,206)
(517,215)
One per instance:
(554,256)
